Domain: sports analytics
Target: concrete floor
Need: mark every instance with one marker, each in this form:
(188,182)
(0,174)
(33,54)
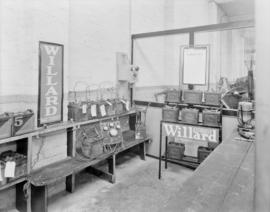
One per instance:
(137,188)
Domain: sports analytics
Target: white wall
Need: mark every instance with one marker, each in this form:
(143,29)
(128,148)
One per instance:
(159,57)
(23,25)
(98,29)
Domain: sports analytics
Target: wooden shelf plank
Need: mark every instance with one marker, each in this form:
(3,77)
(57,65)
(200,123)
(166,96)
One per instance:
(63,126)
(130,144)
(13,182)
(59,170)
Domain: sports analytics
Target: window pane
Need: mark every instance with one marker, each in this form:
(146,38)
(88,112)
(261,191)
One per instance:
(158,59)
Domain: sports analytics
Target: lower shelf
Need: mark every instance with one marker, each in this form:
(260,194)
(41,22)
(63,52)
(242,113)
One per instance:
(13,182)
(51,173)
(186,161)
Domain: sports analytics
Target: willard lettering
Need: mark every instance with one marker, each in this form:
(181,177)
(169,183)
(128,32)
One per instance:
(51,95)
(191,132)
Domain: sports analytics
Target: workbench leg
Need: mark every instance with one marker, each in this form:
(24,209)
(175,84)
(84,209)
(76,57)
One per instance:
(142,150)
(160,148)
(70,183)
(166,152)
(111,166)
(39,195)
(21,202)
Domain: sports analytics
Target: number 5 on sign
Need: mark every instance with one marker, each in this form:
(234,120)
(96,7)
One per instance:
(23,122)
(18,121)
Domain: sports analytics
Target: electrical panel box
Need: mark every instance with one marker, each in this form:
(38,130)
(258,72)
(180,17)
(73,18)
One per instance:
(125,71)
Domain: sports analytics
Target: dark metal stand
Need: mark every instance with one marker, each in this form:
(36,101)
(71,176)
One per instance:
(186,161)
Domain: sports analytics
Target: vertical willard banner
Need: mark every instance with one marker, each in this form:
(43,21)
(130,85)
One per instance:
(50,101)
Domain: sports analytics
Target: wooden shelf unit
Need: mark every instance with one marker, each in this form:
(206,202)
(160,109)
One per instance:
(40,178)
(186,160)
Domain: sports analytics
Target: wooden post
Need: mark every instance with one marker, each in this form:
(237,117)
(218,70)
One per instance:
(262,87)
(142,150)
(21,202)
(39,198)
(71,151)
(111,167)
(166,152)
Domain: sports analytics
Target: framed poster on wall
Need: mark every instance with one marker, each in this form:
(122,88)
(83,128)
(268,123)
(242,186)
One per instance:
(195,65)
(51,83)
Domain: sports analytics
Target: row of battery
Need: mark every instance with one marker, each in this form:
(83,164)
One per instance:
(193,97)
(192,116)
(13,124)
(83,111)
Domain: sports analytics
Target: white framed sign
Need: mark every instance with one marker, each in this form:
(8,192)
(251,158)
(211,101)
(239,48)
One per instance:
(195,65)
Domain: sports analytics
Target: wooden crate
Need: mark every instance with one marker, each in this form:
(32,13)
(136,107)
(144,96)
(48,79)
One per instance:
(23,122)
(173,96)
(20,160)
(5,125)
(175,150)
(78,111)
(212,98)
(211,117)
(170,113)
(203,152)
(93,110)
(189,115)
(89,141)
(192,97)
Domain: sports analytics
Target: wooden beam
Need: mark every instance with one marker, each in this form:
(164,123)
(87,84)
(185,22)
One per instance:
(205,28)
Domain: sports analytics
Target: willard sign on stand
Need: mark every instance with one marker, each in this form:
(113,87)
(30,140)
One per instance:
(192,136)
(50,108)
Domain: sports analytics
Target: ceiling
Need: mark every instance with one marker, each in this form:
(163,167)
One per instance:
(234,8)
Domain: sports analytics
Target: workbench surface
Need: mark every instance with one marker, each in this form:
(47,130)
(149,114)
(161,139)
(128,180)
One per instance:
(223,182)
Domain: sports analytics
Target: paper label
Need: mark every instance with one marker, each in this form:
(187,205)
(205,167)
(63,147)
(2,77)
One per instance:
(127,105)
(102,110)
(138,135)
(93,110)
(10,169)
(200,118)
(84,108)
(108,102)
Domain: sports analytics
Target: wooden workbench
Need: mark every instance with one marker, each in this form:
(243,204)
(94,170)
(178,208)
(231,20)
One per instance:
(223,182)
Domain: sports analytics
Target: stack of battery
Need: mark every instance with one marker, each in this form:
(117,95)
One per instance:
(13,124)
(20,164)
